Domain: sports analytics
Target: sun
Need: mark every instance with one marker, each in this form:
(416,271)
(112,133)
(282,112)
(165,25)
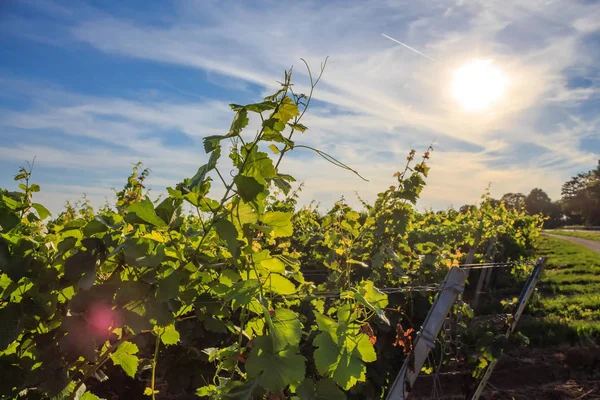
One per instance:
(478,84)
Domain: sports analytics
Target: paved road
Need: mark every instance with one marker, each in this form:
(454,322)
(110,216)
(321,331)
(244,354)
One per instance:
(590,244)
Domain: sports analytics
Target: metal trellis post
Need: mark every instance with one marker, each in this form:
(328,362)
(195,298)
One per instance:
(454,284)
(484,273)
(523,298)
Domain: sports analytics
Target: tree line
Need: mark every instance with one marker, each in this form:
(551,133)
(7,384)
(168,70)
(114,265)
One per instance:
(579,204)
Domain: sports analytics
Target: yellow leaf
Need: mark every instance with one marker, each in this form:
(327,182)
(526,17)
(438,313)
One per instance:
(148,392)
(157,237)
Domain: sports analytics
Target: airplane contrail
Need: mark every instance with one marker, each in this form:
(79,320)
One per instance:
(410,48)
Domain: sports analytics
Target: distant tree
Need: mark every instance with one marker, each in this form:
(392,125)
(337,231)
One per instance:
(513,201)
(464,209)
(581,198)
(537,202)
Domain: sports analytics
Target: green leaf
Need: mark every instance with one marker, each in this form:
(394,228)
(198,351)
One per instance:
(287,110)
(280,222)
(135,321)
(372,298)
(198,178)
(167,209)
(275,370)
(11,321)
(239,122)
(242,213)
(279,284)
(227,232)
(284,327)
(338,362)
(274,149)
(325,389)
(93,227)
(142,252)
(168,288)
(144,210)
(81,264)
(272,128)
(89,396)
(124,356)
(327,353)
(10,202)
(207,391)
(247,187)
(272,265)
(42,211)
(281,181)
(169,335)
(257,107)
(212,142)
(259,166)
(328,390)
(325,323)
(299,127)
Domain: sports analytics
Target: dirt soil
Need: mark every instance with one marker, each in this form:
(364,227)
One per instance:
(549,374)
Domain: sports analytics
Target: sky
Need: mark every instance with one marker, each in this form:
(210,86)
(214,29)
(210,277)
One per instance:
(90,88)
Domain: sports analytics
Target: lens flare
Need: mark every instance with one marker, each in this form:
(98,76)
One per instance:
(478,84)
(101,317)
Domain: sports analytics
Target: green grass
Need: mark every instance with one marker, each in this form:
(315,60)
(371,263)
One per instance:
(567,307)
(584,235)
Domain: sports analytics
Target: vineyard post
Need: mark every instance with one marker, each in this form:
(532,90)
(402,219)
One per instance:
(523,298)
(453,285)
(488,277)
(483,276)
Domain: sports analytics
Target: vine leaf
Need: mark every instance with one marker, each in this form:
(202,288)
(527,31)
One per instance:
(274,149)
(259,166)
(240,121)
(275,370)
(41,210)
(279,284)
(256,107)
(135,321)
(11,320)
(341,351)
(247,187)
(89,396)
(144,211)
(124,356)
(372,298)
(325,389)
(345,369)
(284,327)
(226,231)
(81,264)
(272,265)
(287,110)
(169,335)
(280,223)
(212,142)
(168,287)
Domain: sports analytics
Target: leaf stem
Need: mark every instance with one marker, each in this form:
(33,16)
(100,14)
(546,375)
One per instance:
(154,362)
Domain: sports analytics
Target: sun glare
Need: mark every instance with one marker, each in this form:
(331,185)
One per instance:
(478,84)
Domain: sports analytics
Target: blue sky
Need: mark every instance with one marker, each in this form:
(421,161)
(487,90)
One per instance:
(93,87)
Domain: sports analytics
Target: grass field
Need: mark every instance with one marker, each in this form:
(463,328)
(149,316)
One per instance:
(567,305)
(595,235)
